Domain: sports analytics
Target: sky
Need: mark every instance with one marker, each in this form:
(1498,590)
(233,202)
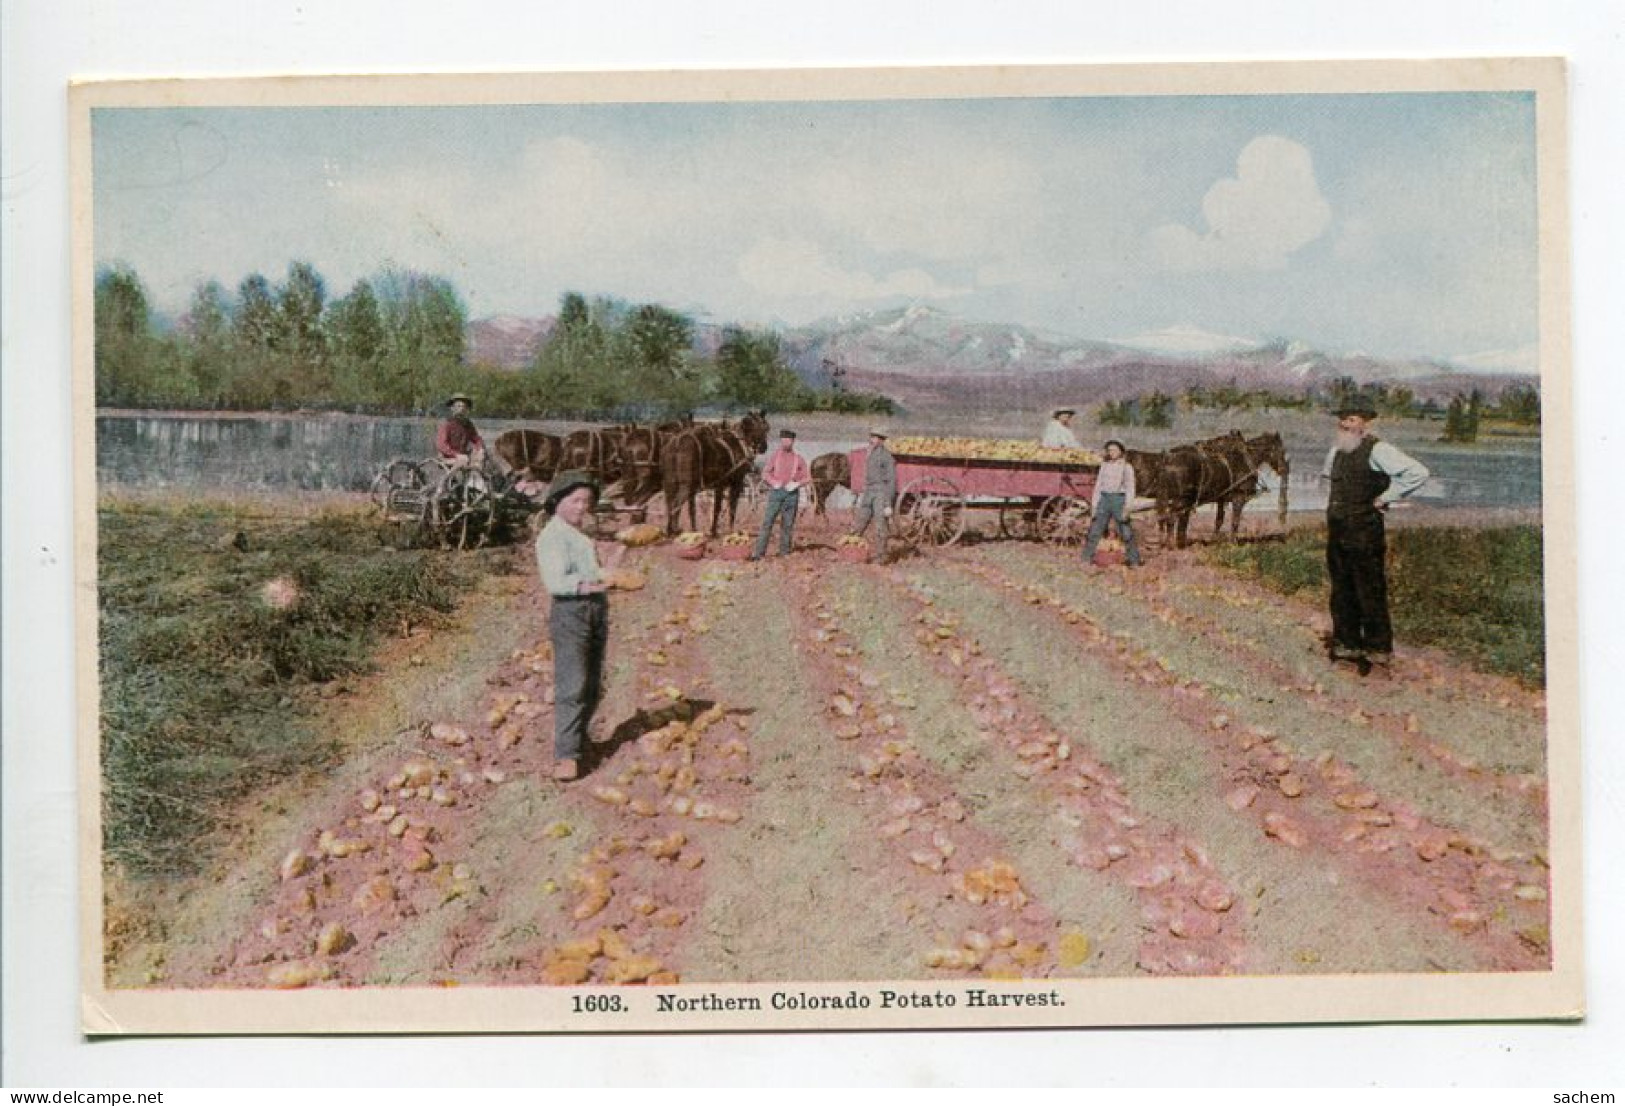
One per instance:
(1400,225)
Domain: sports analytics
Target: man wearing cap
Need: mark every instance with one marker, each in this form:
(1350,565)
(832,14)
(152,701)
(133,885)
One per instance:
(879,492)
(1058,434)
(1366,475)
(1110,502)
(457,440)
(785,474)
(578,619)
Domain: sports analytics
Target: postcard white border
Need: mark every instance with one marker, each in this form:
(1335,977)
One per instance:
(1540,995)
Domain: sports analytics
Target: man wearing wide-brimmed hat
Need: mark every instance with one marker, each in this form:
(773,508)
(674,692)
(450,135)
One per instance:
(457,440)
(879,492)
(1059,434)
(578,621)
(1366,474)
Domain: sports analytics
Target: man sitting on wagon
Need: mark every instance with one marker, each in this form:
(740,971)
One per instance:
(458,441)
(1058,434)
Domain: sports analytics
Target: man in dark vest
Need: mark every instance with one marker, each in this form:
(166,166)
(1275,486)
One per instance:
(1366,475)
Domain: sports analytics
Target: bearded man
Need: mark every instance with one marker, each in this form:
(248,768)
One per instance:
(1366,474)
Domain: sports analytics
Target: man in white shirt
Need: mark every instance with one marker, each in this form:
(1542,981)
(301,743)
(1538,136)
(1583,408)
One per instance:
(1058,434)
(578,619)
(1366,475)
(1110,502)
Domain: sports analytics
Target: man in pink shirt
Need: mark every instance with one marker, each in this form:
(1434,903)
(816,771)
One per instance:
(785,474)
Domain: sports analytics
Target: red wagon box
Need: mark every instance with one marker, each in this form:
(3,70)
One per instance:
(1033,498)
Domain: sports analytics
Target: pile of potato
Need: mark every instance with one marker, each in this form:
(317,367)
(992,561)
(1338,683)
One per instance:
(993,449)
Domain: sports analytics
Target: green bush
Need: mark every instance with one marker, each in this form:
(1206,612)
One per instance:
(1475,593)
(201,676)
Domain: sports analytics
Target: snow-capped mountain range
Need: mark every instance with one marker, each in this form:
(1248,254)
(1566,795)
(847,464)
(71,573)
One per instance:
(919,352)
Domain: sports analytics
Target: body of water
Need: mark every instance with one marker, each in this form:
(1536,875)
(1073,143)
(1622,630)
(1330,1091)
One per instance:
(344,453)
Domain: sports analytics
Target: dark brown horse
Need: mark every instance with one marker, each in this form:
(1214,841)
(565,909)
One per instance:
(829,471)
(597,451)
(1149,469)
(530,454)
(1223,472)
(714,457)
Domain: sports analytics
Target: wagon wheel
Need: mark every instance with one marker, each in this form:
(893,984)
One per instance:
(1063,520)
(1018,519)
(398,475)
(931,511)
(464,509)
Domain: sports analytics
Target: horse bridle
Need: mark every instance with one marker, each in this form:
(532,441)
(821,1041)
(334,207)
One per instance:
(1251,472)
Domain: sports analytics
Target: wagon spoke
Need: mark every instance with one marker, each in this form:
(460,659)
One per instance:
(933,511)
(1064,520)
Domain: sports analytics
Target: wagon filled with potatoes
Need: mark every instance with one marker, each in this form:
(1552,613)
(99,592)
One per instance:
(1038,492)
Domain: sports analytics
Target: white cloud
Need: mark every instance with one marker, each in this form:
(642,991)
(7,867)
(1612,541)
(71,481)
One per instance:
(934,199)
(798,269)
(1256,219)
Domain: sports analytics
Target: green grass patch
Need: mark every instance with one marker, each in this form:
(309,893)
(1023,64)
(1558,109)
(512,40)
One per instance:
(213,622)
(1473,592)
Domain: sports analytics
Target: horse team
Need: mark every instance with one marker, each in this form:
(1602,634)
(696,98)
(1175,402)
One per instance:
(635,463)
(681,460)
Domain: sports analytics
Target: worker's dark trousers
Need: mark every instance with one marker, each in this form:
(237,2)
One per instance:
(1356,552)
(579,629)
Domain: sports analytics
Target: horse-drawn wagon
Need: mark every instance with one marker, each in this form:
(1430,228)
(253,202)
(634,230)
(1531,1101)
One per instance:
(939,481)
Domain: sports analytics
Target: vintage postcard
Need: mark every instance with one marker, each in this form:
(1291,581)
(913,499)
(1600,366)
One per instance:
(723,551)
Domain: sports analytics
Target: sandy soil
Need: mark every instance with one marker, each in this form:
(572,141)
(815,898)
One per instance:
(974,761)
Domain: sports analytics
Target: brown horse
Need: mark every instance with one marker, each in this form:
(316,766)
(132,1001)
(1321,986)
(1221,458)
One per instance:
(829,471)
(530,454)
(1221,471)
(1149,469)
(709,457)
(596,451)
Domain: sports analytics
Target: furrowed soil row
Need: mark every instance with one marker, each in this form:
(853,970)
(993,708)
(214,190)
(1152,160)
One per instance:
(1465,701)
(666,787)
(1495,728)
(973,900)
(806,895)
(1491,900)
(419,877)
(1387,757)
(1180,905)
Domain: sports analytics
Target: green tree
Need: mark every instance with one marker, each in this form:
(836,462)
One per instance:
(299,335)
(125,346)
(1520,403)
(255,321)
(355,329)
(1159,410)
(575,369)
(207,326)
(751,372)
(664,370)
(1461,418)
(425,325)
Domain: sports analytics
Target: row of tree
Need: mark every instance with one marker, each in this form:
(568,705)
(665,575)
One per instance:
(396,344)
(1517,403)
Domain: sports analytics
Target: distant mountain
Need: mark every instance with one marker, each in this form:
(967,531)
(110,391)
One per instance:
(926,358)
(1186,340)
(921,339)
(506,341)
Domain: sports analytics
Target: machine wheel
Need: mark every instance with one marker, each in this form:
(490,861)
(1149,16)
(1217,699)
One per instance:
(464,510)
